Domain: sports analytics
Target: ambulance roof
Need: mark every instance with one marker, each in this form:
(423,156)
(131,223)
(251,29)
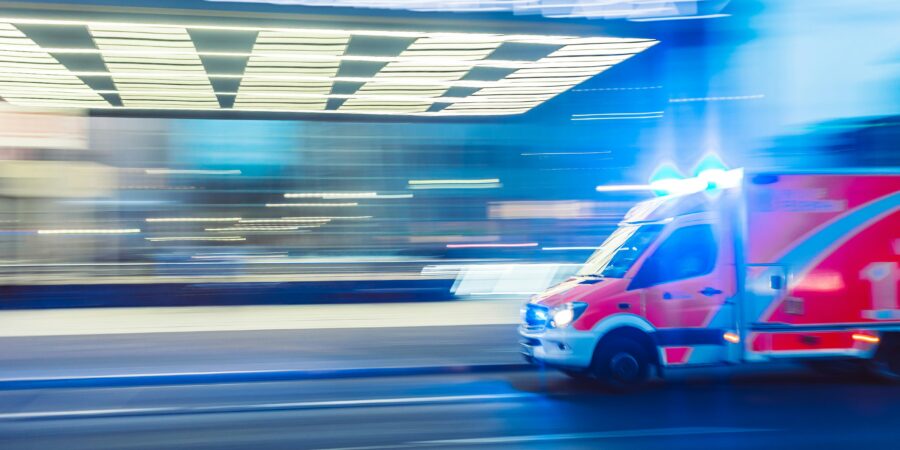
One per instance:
(663,208)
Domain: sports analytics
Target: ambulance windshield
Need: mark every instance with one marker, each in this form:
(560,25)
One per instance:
(620,250)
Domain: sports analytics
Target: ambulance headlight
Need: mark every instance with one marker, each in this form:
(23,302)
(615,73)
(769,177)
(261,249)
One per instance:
(566,314)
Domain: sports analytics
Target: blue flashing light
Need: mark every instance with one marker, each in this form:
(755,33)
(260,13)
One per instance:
(710,161)
(666,171)
(536,316)
(710,179)
(665,179)
(721,179)
(678,187)
(710,173)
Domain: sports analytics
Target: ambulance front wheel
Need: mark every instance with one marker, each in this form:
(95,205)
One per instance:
(576,374)
(621,363)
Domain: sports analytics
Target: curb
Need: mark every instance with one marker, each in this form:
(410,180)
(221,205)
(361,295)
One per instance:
(163,379)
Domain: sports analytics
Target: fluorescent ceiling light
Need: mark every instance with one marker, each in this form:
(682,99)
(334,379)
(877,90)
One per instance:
(156,66)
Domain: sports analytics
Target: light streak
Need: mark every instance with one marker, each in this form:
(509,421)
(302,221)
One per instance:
(515,245)
(91,231)
(866,338)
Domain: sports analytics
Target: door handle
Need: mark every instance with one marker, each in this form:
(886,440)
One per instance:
(709,292)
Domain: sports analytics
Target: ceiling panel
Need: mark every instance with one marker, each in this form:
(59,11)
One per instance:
(440,58)
(30,76)
(575,61)
(278,57)
(204,67)
(154,66)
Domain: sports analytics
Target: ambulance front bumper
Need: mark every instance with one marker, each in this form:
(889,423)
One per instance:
(565,347)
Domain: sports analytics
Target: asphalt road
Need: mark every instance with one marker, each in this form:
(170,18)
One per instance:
(744,408)
(520,410)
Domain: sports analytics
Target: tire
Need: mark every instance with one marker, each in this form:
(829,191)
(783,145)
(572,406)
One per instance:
(886,364)
(621,363)
(838,368)
(576,374)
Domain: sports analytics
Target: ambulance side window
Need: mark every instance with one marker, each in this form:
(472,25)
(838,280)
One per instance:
(687,253)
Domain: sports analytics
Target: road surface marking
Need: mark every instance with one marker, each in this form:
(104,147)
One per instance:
(81,413)
(218,377)
(648,432)
(400,401)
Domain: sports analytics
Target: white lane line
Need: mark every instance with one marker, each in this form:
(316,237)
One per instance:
(401,401)
(262,373)
(648,432)
(81,413)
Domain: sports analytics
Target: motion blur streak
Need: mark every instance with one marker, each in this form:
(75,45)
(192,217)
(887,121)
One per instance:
(407,224)
(321,205)
(406,401)
(193,219)
(120,231)
(523,244)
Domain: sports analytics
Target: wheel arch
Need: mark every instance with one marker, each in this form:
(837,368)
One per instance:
(629,326)
(889,341)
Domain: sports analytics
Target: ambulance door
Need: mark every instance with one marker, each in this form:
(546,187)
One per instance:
(688,289)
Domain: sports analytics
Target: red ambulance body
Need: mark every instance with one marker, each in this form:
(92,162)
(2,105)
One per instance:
(782,265)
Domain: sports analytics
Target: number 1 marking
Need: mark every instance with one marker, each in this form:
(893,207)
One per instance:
(883,278)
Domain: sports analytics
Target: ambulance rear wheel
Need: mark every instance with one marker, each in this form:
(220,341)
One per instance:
(621,363)
(838,368)
(886,364)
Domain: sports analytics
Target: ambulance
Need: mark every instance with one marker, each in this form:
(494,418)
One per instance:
(733,268)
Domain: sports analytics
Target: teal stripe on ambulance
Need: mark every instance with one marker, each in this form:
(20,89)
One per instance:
(802,256)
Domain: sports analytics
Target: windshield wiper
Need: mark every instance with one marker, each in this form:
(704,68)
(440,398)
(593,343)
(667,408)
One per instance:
(592,275)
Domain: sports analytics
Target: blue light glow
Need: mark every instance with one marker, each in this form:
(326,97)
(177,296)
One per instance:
(709,162)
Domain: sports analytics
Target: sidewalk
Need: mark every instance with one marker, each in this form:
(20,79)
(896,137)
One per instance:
(145,346)
(65,322)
